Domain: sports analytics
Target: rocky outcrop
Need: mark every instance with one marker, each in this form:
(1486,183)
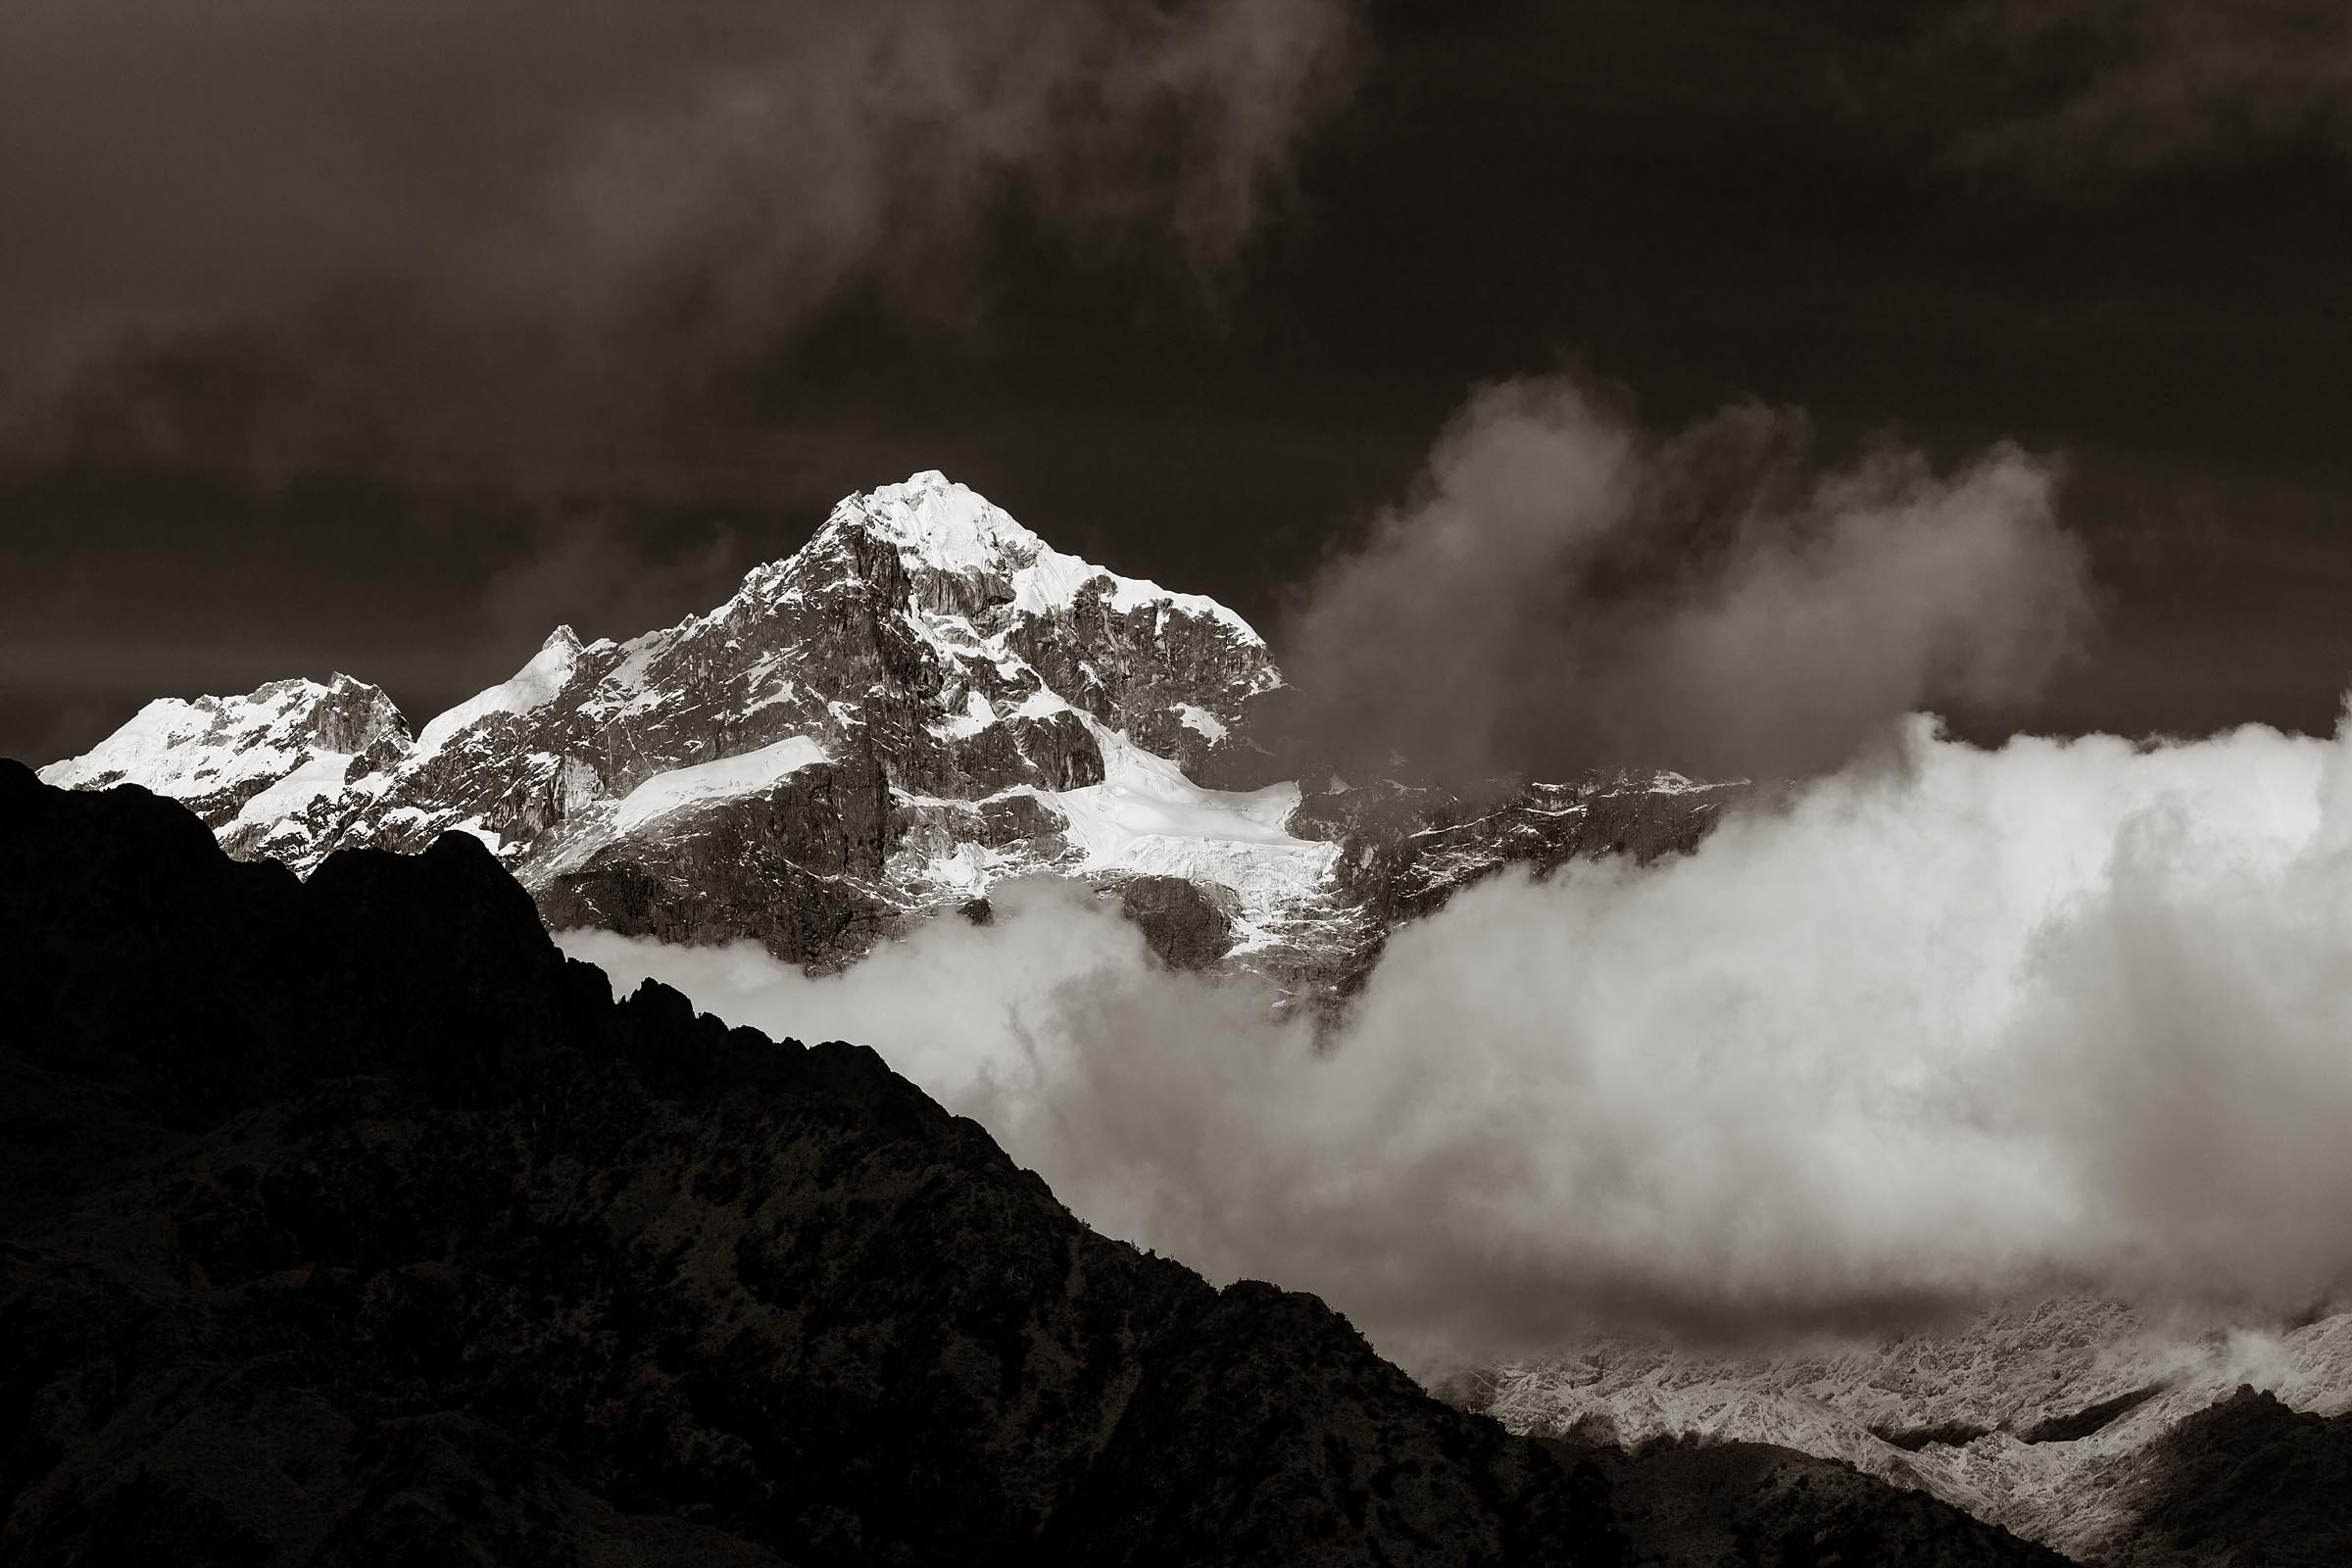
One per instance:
(797,870)
(1185,927)
(1405,851)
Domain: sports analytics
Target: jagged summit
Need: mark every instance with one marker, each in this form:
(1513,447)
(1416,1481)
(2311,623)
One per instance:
(941,524)
(944,530)
(342,712)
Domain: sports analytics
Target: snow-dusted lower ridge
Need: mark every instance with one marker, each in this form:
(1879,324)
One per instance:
(2031,1416)
(924,698)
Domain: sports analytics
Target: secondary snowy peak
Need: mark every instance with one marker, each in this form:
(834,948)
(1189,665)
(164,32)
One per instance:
(217,755)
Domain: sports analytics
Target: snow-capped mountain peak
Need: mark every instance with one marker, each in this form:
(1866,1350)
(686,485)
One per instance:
(940,525)
(941,529)
(925,696)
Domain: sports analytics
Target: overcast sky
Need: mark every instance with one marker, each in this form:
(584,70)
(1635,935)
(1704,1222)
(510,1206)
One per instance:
(381,338)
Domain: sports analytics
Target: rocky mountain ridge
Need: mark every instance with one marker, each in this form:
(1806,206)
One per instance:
(924,699)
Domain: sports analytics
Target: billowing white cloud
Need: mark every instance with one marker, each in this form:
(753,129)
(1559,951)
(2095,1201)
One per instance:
(1953,1025)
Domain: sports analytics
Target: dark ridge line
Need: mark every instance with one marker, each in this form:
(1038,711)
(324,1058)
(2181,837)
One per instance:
(2091,1418)
(1948,1434)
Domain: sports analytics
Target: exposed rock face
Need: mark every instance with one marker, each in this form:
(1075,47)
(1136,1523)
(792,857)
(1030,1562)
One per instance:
(1405,851)
(1185,927)
(790,869)
(926,698)
(347,1222)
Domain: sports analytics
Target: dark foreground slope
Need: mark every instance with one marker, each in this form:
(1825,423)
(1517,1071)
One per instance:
(347,1222)
(350,1223)
(1756,1505)
(2246,1481)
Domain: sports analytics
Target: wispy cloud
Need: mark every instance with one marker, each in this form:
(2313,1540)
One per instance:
(1565,590)
(2079,88)
(432,232)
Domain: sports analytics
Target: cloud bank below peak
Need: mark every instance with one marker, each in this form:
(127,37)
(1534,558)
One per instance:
(2056,1015)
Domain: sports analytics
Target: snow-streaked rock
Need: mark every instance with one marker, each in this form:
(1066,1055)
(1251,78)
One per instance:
(743,773)
(1201,721)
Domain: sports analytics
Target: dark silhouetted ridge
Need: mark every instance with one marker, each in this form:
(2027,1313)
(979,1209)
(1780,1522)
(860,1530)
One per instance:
(1757,1505)
(2247,1481)
(2089,1419)
(347,1222)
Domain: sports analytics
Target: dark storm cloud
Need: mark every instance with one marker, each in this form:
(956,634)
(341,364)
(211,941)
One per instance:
(353,240)
(429,232)
(2089,87)
(123,587)
(1566,592)
(592,571)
